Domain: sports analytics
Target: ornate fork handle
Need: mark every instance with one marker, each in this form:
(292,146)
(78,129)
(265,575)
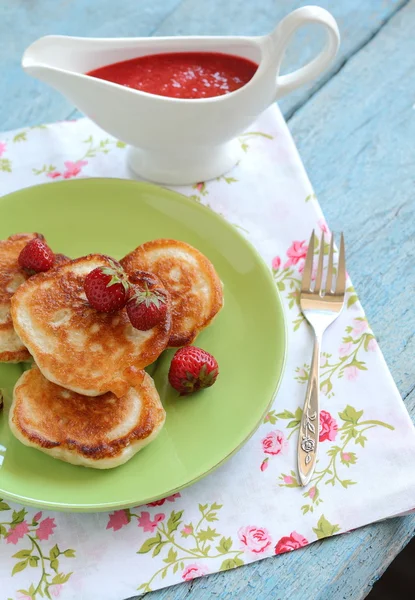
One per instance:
(321,305)
(310,421)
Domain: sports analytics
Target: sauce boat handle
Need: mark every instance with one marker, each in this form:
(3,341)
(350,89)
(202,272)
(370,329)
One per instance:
(282,35)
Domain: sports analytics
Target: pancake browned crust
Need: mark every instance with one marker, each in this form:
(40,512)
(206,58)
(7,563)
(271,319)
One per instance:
(11,276)
(101,432)
(195,288)
(74,345)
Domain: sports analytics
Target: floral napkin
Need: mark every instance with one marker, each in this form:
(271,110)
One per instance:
(365,469)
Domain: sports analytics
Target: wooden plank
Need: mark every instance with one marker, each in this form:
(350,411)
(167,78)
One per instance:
(358,22)
(28,102)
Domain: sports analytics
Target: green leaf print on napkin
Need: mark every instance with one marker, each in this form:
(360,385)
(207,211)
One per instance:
(202,542)
(357,340)
(5,165)
(36,531)
(325,528)
(350,431)
(73,168)
(20,137)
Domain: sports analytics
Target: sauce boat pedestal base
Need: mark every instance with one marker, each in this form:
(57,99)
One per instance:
(178,167)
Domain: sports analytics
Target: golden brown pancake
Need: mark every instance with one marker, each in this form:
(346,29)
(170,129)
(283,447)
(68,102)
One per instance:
(195,288)
(74,345)
(101,432)
(11,276)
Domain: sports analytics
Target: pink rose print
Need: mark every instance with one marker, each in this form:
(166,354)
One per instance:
(199,186)
(117,520)
(274,443)
(171,498)
(359,326)
(37,517)
(276,263)
(288,479)
(194,570)
(346,456)
(323,226)
(3,147)
(73,168)
(21,596)
(289,543)
(345,349)
(351,372)
(296,252)
(55,590)
(187,530)
(254,539)
(45,529)
(264,464)
(328,427)
(53,174)
(312,492)
(14,535)
(147,524)
(157,502)
(372,345)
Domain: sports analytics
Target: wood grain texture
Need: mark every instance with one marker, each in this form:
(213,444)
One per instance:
(26,101)
(355,134)
(358,21)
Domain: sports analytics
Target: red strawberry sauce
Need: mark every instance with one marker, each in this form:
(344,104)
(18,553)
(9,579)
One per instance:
(187,75)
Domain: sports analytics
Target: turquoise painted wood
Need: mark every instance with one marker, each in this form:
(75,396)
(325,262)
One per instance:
(355,129)
(26,101)
(358,21)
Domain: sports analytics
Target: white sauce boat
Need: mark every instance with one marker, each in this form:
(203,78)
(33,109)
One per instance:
(177,141)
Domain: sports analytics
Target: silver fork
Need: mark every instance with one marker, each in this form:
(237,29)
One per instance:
(320,305)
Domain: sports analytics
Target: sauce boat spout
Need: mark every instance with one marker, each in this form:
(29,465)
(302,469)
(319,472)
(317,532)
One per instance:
(52,54)
(61,61)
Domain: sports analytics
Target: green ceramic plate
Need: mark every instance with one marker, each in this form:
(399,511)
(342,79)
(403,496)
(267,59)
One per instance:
(248,339)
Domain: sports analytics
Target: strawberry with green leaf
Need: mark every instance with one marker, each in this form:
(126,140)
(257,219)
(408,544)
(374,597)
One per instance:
(192,369)
(149,301)
(107,287)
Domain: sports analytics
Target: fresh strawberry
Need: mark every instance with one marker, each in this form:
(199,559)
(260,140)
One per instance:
(148,303)
(36,256)
(107,288)
(192,369)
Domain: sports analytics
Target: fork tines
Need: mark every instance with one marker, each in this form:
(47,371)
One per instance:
(306,284)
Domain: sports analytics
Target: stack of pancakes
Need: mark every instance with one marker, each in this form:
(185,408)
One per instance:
(87,400)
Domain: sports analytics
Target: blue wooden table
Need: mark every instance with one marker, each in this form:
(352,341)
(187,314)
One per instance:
(355,130)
